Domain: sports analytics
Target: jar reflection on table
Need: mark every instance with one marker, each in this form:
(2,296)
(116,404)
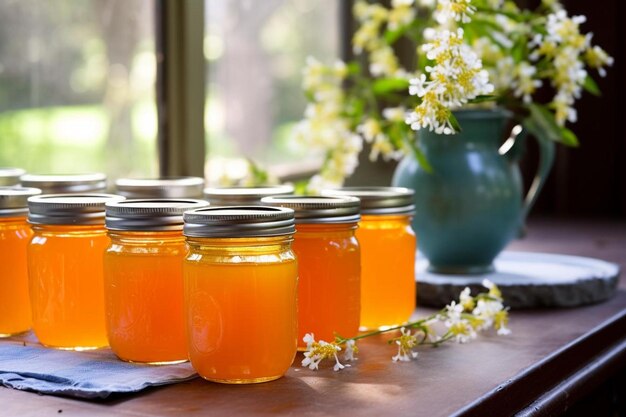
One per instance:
(329,264)
(65,268)
(388,245)
(15,233)
(143,279)
(241,293)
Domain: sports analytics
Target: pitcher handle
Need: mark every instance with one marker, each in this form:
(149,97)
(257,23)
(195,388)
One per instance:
(546,159)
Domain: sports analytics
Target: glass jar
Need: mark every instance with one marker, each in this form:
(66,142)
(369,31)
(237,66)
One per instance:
(244,196)
(240,293)
(166,187)
(10,176)
(65,269)
(388,247)
(143,279)
(66,184)
(14,236)
(329,265)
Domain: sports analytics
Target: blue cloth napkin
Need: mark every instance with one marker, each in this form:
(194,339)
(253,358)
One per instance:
(89,374)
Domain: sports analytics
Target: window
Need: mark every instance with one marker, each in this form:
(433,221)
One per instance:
(77,86)
(255,53)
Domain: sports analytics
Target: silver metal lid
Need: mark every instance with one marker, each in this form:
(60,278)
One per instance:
(243,221)
(69,209)
(14,200)
(166,187)
(319,209)
(379,200)
(243,196)
(149,214)
(10,176)
(66,184)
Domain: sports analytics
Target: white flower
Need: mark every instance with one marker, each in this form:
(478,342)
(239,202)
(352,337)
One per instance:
(318,351)
(350,351)
(454,10)
(406,342)
(383,61)
(524,84)
(394,114)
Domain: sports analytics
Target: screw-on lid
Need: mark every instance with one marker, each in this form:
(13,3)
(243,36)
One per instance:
(166,187)
(66,184)
(10,176)
(69,209)
(149,214)
(379,200)
(244,221)
(14,200)
(243,196)
(318,209)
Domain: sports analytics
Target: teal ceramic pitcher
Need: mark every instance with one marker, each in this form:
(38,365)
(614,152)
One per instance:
(470,206)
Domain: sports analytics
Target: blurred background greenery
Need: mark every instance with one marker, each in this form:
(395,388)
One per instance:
(77,83)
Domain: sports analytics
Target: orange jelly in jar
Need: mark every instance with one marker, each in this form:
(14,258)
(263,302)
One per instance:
(240,293)
(15,234)
(65,269)
(143,279)
(388,245)
(329,265)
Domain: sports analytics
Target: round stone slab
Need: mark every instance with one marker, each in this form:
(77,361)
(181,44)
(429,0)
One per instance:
(526,279)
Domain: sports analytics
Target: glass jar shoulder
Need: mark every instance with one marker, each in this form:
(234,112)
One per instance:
(65,237)
(147,244)
(240,251)
(14,229)
(326,238)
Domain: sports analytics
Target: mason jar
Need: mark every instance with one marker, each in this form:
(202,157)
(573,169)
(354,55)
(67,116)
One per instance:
(66,184)
(10,176)
(240,293)
(143,279)
(65,269)
(166,187)
(388,247)
(244,196)
(15,234)
(329,265)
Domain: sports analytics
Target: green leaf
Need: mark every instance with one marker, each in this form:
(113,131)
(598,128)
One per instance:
(591,86)
(541,123)
(455,123)
(391,36)
(569,137)
(482,99)
(387,85)
(353,67)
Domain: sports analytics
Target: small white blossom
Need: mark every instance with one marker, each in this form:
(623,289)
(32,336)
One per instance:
(406,342)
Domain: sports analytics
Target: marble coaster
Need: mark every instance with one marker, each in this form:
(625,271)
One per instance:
(526,279)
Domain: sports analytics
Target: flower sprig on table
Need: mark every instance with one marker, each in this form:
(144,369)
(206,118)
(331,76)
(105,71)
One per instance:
(466,52)
(461,319)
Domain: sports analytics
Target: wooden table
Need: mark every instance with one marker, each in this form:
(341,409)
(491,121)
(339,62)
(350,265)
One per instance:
(553,359)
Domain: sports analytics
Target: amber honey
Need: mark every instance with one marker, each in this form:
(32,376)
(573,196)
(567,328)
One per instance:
(15,233)
(66,285)
(143,280)
(388,262)
(240,293)
(388,244)
(329,264)
(65,269)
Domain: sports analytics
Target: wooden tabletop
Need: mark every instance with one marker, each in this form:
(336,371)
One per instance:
(553,358)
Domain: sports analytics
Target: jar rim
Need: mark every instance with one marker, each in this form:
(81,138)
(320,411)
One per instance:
(239,221)
(66,183)
(379,200)
(161,187)
(69,209)
(155,214)
(319,209)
